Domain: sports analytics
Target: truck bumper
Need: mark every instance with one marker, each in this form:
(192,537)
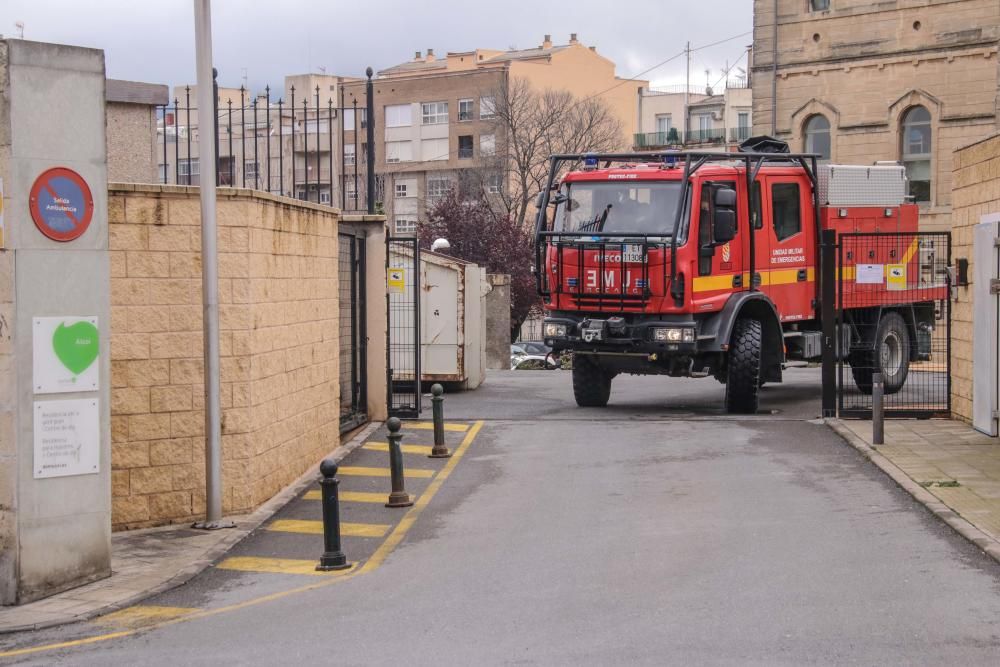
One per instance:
(665,336)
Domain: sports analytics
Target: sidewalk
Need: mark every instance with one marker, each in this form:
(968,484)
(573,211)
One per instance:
(147,562)
(947,465)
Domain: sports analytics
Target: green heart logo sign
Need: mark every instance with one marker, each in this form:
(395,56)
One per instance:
(76,345)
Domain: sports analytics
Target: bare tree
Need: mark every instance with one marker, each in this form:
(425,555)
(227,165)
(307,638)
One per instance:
(529,126)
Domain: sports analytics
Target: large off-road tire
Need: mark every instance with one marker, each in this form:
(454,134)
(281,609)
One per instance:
(890,355)
(743,380)
(591,383)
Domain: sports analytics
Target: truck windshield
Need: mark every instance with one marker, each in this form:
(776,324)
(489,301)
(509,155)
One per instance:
(629,207)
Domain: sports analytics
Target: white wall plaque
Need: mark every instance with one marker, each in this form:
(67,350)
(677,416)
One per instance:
(65,353)
(67,438)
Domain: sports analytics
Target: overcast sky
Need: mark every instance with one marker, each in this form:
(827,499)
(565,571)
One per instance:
(153,41)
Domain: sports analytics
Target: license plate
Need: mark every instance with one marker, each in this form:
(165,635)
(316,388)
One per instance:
(634,253)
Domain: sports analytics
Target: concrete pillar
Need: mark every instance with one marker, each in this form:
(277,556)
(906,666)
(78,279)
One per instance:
(55,488)
(498,322)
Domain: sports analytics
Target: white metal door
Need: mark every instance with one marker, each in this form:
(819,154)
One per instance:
(985,341)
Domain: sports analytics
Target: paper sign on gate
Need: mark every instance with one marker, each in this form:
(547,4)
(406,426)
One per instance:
(869,274)
(397,281)
(895,277)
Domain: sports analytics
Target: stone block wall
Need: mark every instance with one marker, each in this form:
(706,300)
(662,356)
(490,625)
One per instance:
(975,193)
(279,360)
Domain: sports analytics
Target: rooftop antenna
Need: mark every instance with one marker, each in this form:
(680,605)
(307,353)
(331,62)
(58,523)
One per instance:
(321,68)
(244,71)
(20,29)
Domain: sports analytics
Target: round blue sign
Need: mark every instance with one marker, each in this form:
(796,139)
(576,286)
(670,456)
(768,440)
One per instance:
(61,204)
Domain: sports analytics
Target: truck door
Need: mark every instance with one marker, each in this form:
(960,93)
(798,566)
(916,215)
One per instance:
(720,268)
(785,246)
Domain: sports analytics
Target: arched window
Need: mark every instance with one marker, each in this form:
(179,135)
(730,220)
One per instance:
(916,152)
(817,131)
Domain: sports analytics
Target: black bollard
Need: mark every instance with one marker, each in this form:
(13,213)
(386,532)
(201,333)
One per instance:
(878,410)
(333,557)
(399,497)
(438,451)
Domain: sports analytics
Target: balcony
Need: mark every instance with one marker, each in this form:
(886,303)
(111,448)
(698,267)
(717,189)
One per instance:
(658,139)
(739,134)
(715,135)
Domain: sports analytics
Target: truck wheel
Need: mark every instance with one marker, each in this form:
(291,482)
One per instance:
(890,355)
(743,381)
(591,383)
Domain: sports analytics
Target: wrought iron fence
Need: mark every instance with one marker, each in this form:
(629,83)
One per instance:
(403,280)
(894,313)
(353,335)
(301,147)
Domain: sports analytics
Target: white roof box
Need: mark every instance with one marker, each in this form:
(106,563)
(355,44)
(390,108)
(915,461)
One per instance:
(852,185)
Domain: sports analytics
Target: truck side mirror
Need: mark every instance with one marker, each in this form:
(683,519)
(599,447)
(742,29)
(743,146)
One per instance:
(723,216)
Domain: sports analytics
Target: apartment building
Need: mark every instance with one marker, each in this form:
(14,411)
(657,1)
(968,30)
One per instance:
(283,141)
(860,82)
(433,124)
(713,120)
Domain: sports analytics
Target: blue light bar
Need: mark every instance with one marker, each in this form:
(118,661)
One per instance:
(590,162)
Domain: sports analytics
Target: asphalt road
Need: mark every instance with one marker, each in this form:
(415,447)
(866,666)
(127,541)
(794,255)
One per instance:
(656,531)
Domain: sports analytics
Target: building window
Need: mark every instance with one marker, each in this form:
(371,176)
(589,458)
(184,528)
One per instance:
(487,108)
(349,191)
(349,119)
(250,169)
(398,115)
(434,113)
(819,5)
(494,183)
(434,149)
(465,147)
(349,153)
(400,190)
(664,121)
(917,152)
(301,195)
(817,132)
(406,226)
(465,110)
(438,187)
(785,210)
(487,144)
(188,171)
(324,197)
(398,151)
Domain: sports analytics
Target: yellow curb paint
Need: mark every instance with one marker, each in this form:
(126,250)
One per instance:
(406,449)
(316,528)
(370,565)
(143,615)
(276,566)
(429,426)
(352,497)
(362,471)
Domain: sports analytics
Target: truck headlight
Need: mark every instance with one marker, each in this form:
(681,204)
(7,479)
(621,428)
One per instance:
(555,330)
(673,334)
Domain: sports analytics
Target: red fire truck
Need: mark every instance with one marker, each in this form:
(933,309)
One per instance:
(702,264)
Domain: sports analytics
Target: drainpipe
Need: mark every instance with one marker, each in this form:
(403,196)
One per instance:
(774,72)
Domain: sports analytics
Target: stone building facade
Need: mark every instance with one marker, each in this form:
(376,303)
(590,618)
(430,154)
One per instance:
(131,129)
(976,194)
(908,80)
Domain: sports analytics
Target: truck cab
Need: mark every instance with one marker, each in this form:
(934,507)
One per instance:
(686,264)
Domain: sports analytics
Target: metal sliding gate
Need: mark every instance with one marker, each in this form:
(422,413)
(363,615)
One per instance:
(403,368)
(353,334)
(894,317)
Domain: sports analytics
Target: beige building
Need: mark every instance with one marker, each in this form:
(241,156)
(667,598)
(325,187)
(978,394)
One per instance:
(130,108)
(720,120)
(433,116)
(858,82)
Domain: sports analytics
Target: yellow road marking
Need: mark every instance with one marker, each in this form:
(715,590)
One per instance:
(316,528)
(429,426)
(383,551)
(276,566)
(406,449)
(362,471)
(404,525)
(352,496)
(143,615)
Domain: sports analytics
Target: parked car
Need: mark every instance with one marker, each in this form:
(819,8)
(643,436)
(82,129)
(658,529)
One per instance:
(532,354)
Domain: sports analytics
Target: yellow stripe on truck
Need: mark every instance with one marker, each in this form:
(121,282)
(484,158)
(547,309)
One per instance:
(773,277)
